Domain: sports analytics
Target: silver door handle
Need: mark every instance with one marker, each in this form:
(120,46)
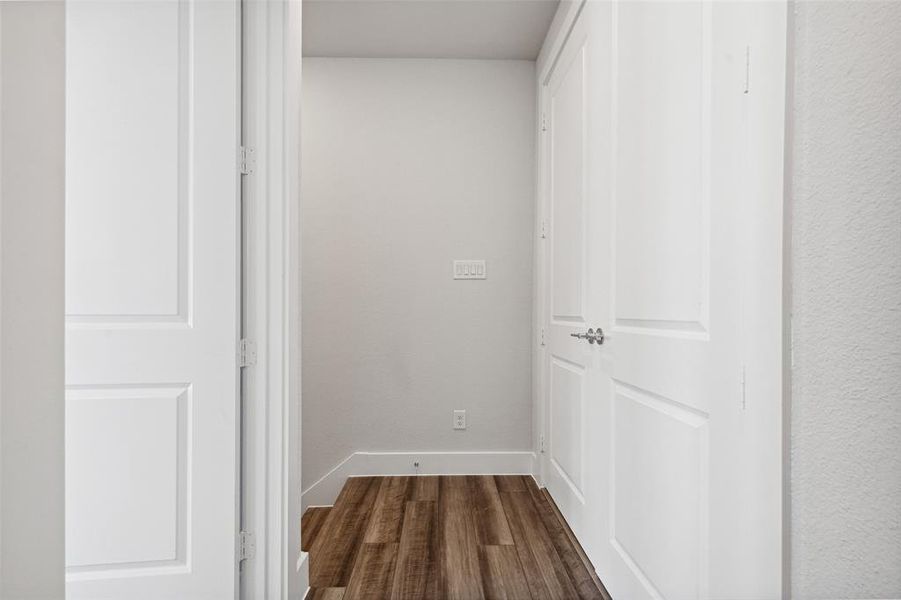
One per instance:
(593,337)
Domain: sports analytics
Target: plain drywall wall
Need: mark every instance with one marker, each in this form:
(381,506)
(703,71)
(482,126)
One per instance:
(408,165)
(32,113)
(846,388)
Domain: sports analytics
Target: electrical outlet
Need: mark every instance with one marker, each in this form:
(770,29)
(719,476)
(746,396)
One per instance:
(459,419)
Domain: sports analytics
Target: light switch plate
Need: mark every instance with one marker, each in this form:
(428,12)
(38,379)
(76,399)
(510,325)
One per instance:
(470,269)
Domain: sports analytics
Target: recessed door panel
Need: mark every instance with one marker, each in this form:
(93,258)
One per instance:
(126,447)
(567,200)
(659,491)
(129,129)
(662,128)
(567,398)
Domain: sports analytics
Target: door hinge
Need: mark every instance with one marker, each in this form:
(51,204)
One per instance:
(543,122)
(541,444)
(248,160)
(744,388)
(542,230)
(791,341)
(747,69)
(542,337)
(247,353)
(247,545)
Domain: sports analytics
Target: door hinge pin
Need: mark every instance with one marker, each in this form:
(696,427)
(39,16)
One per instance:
(744,388)
(747,69)
(247,160)
(247,353)
(543,122)
(248,545)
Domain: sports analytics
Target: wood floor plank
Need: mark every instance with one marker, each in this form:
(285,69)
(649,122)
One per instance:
(511,483)
(545,573)
(529,484)
(311,524)
(388,512)
(425,488)
(437,531)
(582,573)
(335,549)
(491,521)
(416,553)
(460,541)
(437,581)
(325,594)
(373,572)
(502,576)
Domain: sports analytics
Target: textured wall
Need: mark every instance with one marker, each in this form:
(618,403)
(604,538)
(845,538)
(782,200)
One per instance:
(408,165)
(32,193)
(846,407)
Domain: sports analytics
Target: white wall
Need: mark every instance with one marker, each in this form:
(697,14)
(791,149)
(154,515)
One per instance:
(408,165)
(32,84)
(846,404)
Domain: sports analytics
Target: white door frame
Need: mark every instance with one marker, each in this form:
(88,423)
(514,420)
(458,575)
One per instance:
(271,386)
(767,323)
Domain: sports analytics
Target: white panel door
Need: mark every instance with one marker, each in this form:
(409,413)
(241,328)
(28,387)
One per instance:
(152,246)
(660,457)
(575,262)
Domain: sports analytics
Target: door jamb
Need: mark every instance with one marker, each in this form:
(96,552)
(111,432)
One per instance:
(271,440)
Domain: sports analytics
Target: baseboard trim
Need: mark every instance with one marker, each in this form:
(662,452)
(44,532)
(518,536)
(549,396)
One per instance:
(325,491)
(302,568)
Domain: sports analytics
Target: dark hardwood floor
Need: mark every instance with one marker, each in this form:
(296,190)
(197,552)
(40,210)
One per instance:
(445,538)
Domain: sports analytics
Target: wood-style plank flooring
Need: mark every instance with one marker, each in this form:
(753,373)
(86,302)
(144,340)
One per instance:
(445,538)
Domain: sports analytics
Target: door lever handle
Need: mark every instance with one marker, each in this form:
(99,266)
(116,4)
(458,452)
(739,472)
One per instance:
(593,337)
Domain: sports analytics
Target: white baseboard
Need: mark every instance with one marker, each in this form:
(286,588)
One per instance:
(325,491)
(303,573)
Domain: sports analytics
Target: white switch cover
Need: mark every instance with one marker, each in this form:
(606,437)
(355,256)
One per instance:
(470,269)
(459,419)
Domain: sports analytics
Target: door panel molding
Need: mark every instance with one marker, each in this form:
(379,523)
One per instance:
(645,241)
(566,452)
(159,433)
(104,286)
(568,298)
(660,447)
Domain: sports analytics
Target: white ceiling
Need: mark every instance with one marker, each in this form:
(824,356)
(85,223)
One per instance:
(502,29)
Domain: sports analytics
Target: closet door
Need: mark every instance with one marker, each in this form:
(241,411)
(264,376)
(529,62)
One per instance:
(152,299)
(663,167)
